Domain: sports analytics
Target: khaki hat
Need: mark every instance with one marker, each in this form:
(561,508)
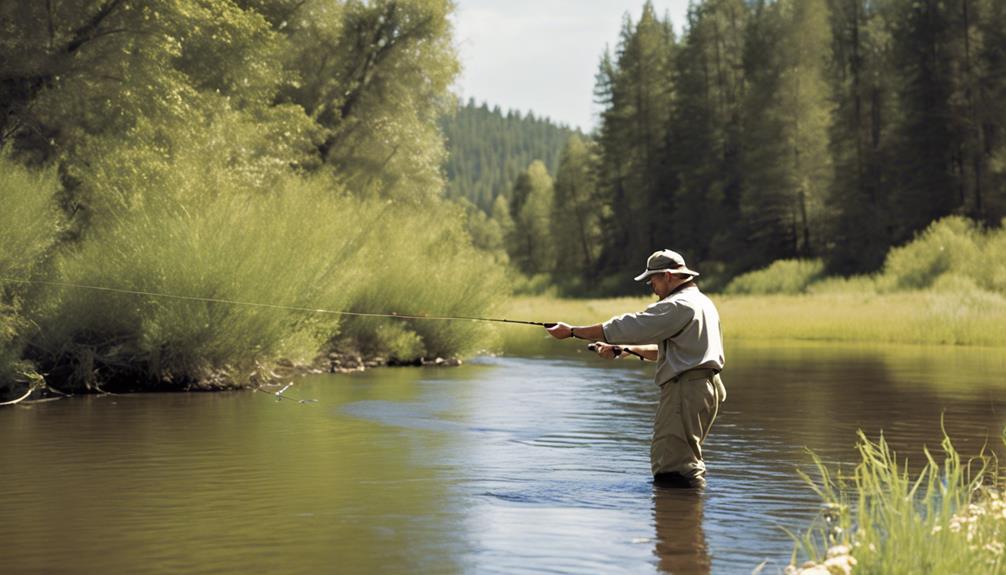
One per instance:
(665,261)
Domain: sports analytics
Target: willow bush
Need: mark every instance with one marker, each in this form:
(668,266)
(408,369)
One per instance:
(782,277)
(951,253)
(29,225)
(287,242)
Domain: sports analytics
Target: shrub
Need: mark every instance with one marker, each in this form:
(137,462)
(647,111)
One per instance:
(782,277)
(950,245)
(29,225)
(302,243)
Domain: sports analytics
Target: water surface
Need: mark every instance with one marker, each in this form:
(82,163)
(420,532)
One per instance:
(505,465)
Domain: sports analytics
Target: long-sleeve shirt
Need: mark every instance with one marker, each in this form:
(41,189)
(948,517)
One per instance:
(685,326)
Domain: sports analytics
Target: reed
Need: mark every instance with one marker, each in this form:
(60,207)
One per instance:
(303,243)
(29,225)
(948,518)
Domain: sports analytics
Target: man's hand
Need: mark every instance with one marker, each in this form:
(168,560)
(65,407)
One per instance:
(606,350)
(560,330)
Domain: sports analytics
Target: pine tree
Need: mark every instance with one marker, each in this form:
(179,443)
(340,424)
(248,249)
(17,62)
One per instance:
(705,129)
(636,92)
(787,119)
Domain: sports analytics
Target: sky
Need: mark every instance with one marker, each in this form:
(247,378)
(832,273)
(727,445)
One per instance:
(542,55)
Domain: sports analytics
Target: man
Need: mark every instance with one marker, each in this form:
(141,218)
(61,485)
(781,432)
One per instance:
(681,332)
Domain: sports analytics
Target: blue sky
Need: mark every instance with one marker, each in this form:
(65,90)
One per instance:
(541,55)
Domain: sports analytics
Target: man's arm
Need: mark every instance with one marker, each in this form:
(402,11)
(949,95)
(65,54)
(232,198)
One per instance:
(590,332)
(607,351)
(595,333)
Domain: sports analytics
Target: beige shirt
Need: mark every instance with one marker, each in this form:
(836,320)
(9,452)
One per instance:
(685,326)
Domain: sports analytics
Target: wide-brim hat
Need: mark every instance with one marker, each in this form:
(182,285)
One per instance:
(665,261)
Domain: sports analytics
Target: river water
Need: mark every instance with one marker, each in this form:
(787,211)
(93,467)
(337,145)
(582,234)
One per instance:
(532,464)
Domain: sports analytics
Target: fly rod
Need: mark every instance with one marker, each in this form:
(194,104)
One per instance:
(271,305)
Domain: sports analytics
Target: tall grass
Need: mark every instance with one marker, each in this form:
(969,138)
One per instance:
(949,518)
(195,227)
(29,225)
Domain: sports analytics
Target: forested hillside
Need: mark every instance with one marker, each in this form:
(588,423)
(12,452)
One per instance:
(487,149)
(769,130)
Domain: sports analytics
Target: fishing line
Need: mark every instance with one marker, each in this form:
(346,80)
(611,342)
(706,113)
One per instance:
(271,305)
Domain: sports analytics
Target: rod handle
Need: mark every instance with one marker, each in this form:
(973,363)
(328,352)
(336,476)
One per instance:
(593,347)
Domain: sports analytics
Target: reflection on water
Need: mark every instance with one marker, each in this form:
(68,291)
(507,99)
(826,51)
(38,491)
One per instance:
(681,540)
(512,465)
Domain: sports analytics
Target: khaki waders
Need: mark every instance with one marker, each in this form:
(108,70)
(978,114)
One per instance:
(688,406)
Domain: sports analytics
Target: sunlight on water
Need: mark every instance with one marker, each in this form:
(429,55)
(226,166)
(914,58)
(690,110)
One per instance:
(506,465)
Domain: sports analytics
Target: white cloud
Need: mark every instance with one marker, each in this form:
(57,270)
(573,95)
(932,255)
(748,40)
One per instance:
(542,55)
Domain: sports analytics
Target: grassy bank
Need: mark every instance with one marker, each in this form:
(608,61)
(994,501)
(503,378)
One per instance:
(188,231)
(917,317)
(950,518)
(947,287)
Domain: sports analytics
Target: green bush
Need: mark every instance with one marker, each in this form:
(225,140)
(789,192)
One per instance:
(782,277)
(29,225)
(302,243)
(419,262)
(950,245)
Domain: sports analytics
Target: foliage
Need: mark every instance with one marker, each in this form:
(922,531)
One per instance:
(272,151)
(487,149)
(782,277)
(375,77)
(29,224)
(575,228)
(303,245)
(531,206)
(949,518)
(793,129)
(952,246)
(634,87)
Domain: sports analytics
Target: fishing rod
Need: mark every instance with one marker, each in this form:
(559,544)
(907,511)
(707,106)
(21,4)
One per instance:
(271,305)
(618,350)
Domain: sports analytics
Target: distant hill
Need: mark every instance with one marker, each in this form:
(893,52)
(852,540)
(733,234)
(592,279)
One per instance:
(487,149)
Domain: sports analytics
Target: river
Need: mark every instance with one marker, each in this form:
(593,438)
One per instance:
(529,464)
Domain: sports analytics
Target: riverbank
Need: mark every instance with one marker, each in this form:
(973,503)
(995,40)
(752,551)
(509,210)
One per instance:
(933,317)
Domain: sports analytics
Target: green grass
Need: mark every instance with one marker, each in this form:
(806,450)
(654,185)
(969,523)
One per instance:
(934,316)
(948,518)
(290,241)
(29,225)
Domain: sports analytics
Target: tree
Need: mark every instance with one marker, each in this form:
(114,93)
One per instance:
(635,90)
(862,73)
(531,246)
(705,129)
(575,214)
(375,76)
(787,120)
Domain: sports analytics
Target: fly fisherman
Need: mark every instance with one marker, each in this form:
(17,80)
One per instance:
(681,332)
